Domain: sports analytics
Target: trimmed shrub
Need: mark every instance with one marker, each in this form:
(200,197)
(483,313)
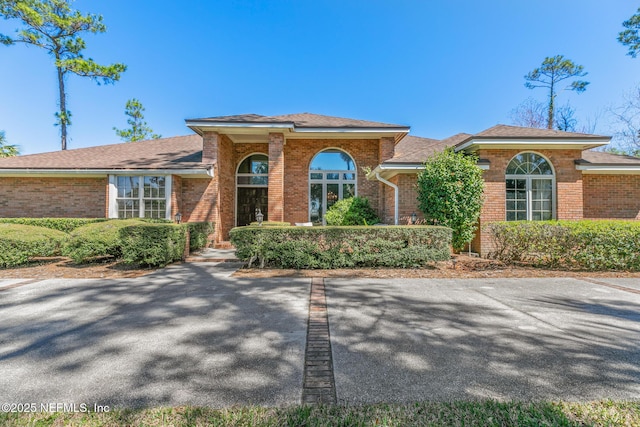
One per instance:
(339,247)
(351,211)
(199,234)
(65,225)
(271,224)
(19,243)
(153,244)
(586,244)
(96,240)
(450,192)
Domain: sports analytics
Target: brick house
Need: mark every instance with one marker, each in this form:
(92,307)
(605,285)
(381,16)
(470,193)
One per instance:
(293,167)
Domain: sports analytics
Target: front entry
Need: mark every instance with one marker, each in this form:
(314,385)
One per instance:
(250,199)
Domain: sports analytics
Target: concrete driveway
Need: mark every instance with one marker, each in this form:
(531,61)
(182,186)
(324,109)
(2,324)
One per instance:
(191,334)
(187,334)
(418,339)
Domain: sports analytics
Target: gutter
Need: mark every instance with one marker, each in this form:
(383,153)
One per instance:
(395,189)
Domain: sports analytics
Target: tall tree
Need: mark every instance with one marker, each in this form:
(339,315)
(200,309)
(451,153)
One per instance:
(139,129)
(550,74)
(628,117)
(530,113)
(54,27)
(7,150)
(630,36)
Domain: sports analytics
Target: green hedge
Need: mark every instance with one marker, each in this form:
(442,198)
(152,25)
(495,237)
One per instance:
(587,244)
(66,225)
(19,243)
(339,247)
(153,244)
(271,224)
(199,234)
(96,240)
(352,211)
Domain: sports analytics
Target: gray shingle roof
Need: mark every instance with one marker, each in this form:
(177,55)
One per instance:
(506,131)
(180,152)
(301,120)
(600,158)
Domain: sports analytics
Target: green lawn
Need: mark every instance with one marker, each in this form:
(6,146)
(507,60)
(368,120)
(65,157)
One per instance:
(486,413)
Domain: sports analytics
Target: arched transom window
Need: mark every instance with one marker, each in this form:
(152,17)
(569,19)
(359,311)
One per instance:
(332,177)
(530,188)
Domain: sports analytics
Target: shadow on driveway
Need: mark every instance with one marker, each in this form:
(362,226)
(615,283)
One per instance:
(406,340)
(187,334)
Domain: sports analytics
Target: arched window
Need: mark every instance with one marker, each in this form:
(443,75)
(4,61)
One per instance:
(530,188)
(332,177)
(252,188)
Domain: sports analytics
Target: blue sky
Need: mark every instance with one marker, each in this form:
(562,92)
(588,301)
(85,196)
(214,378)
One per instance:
(440,66)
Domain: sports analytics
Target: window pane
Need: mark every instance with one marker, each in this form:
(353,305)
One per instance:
(253,180)
(348,191)
(529,164)
(127,186)
(332,194)
(349,176)
(257,164)
(522,205)
(333,176)
(333,160)
(316,176)
(511,205)
(521,216)
(315,208)
(155,209)
(511,216)
(154,187)
(128,208)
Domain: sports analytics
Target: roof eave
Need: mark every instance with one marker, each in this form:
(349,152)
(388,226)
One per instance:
(476,143)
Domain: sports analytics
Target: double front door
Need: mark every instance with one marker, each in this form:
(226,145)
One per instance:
(250,199)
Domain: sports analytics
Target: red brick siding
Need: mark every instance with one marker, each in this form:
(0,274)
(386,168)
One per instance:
(298,155)
(569,191)
(176,196)
(612,196)
(277,162)
(408,200)
(53,197)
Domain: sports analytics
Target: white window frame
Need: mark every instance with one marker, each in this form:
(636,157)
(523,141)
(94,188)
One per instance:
(113,194)
(528,178)
(324,181)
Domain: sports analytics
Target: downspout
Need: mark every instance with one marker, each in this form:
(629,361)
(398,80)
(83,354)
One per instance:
(395,190)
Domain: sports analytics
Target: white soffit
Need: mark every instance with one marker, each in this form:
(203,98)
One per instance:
(533,143)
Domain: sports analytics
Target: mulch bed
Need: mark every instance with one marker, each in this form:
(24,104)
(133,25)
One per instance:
(53,268)
(460,267)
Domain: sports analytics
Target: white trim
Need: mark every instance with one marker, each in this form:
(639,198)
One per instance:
(519,143)
(609,169)
(350,130)
(113,194)
(266,125)
(324,181)
(390,171)
(528,178)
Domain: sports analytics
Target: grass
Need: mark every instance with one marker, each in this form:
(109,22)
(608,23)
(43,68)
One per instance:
(481,413)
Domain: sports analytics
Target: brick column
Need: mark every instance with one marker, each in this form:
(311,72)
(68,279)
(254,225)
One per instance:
(386,149)
(276,177)
(210,142)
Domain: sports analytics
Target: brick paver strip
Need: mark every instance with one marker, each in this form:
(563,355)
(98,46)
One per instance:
(611,285)
(319,384)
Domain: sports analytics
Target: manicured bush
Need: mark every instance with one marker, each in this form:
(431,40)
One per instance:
(271,224)
(587,244)
(450,193)
(199,234)
(96,240)
(338,247)
(153,244)
(19,243)
(66,225)
(351,211)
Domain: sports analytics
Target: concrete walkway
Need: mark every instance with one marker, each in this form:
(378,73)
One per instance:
(192,334)
(213,255)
